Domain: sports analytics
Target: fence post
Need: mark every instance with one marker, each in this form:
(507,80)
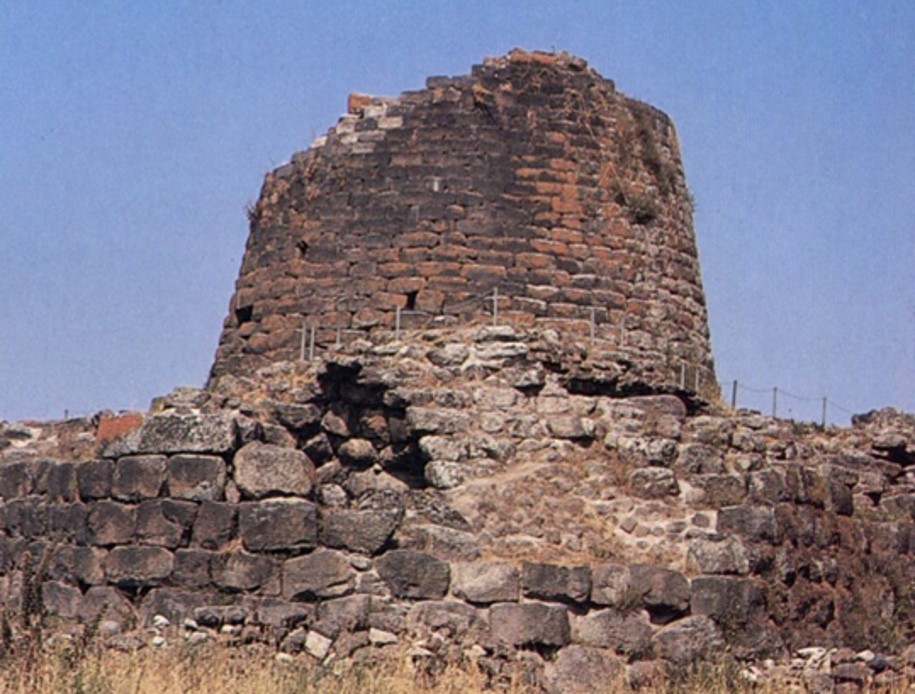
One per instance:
(696,390)
(339,336)
(775,401)
(397,323)
(593,321)
(311,345)
(823,420)
(734,395)
(495,306)
(682,375)
(302,342)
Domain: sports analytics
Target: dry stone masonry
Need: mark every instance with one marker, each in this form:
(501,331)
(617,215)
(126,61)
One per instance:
(449,494)
(527,495)
(531,183)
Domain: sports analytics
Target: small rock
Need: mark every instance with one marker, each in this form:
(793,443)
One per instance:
(378,637)
(653,483)
(197,637)
(317,645)
(161,622)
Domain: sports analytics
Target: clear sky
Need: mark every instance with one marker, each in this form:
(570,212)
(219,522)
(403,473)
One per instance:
(132,135)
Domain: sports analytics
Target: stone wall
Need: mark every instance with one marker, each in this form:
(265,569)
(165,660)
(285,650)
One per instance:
(531,177)
(324,508)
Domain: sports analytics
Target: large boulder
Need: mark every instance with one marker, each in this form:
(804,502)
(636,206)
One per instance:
(325,573)
(170,432)
(627,633)
(415,575)
(555,582)
(264,469)
(688,640)
(583,670)
(485,582)
(278,525)
(197,477)
(717,555)
(139,567)
(664,592)
(138,477)
(529,624)
(364,531)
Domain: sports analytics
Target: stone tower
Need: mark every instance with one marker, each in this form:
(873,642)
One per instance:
(531,182)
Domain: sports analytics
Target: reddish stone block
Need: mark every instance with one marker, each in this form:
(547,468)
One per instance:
(112,426)
(357,101)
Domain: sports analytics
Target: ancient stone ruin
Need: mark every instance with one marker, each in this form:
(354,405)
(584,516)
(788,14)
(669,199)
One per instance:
(530,186)
(381,467)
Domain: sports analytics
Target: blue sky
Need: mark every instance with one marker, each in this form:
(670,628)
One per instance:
(133,135)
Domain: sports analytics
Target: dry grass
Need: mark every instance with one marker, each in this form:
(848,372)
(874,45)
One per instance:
(218,669)
(212,669)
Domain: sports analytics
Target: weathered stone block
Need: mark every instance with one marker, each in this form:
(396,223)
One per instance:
(688,640)
(138,477)
(720,490)
(731,602)
(139,567)
(346,614)
(16,480)
(485,582)
(754,523)
(415,575)
(27,517)
(302,419)
(240,571)
(165,522)
(93,479)
(78,565)
(627,633)
(192,568)
(529,624)
(699,459)
(664,592)
(653,483)
(215,526)
(197,477)
(430,420)
(554,582)
(582,670)
(278,525)
(263,469)
(720,555)
(111,523)
(61,600)
(281,615)
(174,605)
(108,603)
(571,427)
(324,573)
(170,432)
(464,623)
(357,453)
(68,523)
(360,531)
(612,585)
(215,616)
(767,486)
(58,481)
(449,448)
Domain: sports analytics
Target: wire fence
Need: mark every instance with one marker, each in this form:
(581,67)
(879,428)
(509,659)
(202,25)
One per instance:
(689,374)
(780,402)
